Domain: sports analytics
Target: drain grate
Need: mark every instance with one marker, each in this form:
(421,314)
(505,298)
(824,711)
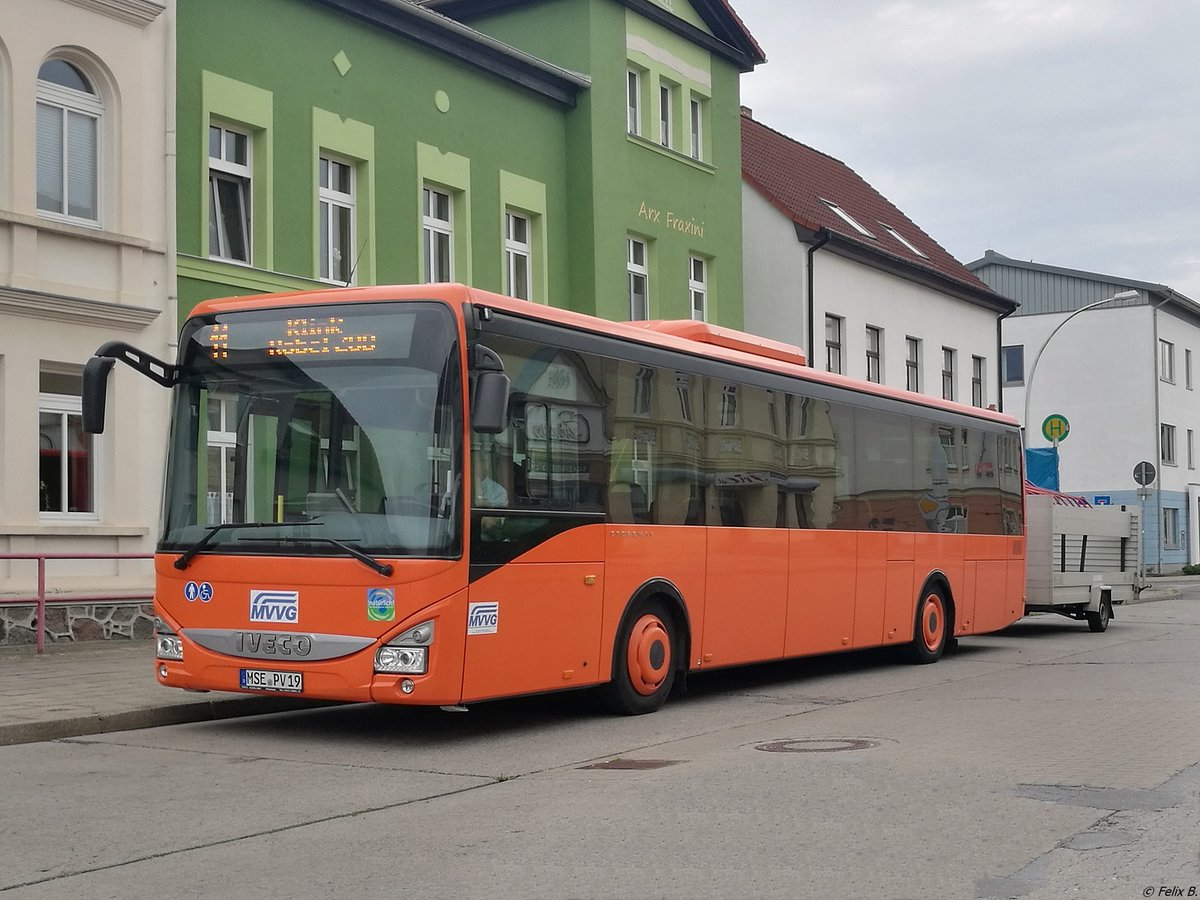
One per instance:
(818,745)
(633,764)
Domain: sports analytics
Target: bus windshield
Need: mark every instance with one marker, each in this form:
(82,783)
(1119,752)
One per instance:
(318,429)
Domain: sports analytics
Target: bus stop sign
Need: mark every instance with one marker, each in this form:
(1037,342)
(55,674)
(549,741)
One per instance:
(1055,427)
(1143,473)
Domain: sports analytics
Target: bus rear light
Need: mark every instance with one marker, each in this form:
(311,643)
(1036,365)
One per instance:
(167,644)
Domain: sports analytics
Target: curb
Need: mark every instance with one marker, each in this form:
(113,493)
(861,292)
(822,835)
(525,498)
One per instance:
(1152,595)
(152,717)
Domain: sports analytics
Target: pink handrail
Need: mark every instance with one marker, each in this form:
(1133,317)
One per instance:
(40,599)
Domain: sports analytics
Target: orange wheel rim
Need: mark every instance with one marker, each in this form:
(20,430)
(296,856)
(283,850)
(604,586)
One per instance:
(933,622)
(648,656)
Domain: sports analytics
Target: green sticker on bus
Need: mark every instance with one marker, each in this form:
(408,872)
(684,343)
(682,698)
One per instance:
(381,604)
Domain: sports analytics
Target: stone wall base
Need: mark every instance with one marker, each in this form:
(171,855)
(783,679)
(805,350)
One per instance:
(69,622)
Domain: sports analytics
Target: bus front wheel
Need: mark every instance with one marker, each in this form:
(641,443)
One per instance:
(643,660)
(932,627)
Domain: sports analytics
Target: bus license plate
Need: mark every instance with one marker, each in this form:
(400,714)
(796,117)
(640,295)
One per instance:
(266,680)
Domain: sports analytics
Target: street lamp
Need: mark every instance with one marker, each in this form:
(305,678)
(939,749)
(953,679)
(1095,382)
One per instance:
(1115,298)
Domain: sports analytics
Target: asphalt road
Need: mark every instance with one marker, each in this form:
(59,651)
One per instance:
(1042,762)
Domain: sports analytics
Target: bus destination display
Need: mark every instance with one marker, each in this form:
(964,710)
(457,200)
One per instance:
(305,336)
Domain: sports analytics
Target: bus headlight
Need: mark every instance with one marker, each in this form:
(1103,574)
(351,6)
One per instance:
(407,653)
(401,660)
(167,644)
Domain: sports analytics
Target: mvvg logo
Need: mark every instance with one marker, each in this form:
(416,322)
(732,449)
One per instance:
(274,606)
(483,618)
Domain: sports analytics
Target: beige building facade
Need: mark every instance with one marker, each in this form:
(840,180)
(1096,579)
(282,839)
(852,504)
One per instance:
(86,256)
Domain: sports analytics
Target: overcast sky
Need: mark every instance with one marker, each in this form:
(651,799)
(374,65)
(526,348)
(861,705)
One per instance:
(1062,131)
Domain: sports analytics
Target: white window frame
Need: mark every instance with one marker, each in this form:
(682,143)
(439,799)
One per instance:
(1171,528)
(912,364)
(330,199)
(1187,368)
(434,226)
(696,127)
(221,438)
(683,387)
(643,391)
(221,169)
(1006,368)
(637,271)
(833,343)
(1191,448)
(903,240)
(978,381)
(1166,439)
(633,101)
(666,114)
(641,463)
(729,406)
(949,372)
(1166,364)
(70,102)
(698,287)
(875,354)
(848,219)
(516,250)
(66,407)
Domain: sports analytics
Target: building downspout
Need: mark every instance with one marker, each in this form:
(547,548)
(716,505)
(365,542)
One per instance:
(1158,430)
(1000,361)
(822,237)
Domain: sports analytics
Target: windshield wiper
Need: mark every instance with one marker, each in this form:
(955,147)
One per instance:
(384,569)
(188,555)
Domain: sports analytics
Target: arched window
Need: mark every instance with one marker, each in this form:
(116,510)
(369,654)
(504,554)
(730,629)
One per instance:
(69,111)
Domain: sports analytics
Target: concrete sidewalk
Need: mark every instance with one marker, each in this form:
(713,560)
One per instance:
(94,687)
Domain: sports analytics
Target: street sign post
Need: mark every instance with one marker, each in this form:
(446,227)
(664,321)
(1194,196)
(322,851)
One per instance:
(1144,474)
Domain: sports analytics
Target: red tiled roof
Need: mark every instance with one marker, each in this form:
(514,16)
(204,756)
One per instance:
(795,179)
(747,36)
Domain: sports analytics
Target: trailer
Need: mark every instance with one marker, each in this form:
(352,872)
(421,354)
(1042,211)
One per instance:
(1080,561)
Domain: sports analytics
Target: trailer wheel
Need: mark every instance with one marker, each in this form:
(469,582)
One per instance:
(1098,620)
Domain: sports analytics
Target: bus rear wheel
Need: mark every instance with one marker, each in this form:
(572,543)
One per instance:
(932,627)
(643,661)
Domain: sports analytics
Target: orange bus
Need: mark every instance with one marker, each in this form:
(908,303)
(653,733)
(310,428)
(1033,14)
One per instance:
(436,495)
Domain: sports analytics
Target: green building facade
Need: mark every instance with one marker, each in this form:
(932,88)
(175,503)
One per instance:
(581,153)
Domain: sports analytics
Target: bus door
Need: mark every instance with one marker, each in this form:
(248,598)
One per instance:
(537,537)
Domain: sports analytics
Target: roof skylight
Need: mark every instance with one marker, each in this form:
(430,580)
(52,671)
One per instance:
(902,239)
(849,219)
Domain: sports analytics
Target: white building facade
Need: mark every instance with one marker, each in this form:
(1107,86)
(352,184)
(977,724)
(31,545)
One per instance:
(86,256)
(1123,375)
(832,266)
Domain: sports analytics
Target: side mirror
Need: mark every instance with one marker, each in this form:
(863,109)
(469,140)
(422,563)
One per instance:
(95,392)
(489,392)
(489,405)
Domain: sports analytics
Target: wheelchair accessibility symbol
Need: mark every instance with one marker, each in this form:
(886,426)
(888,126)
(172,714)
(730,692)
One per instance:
(202,591)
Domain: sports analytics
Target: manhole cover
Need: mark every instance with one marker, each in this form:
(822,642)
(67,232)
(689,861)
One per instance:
(633,764)
(818,745)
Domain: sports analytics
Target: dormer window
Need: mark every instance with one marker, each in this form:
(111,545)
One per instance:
(848,219)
